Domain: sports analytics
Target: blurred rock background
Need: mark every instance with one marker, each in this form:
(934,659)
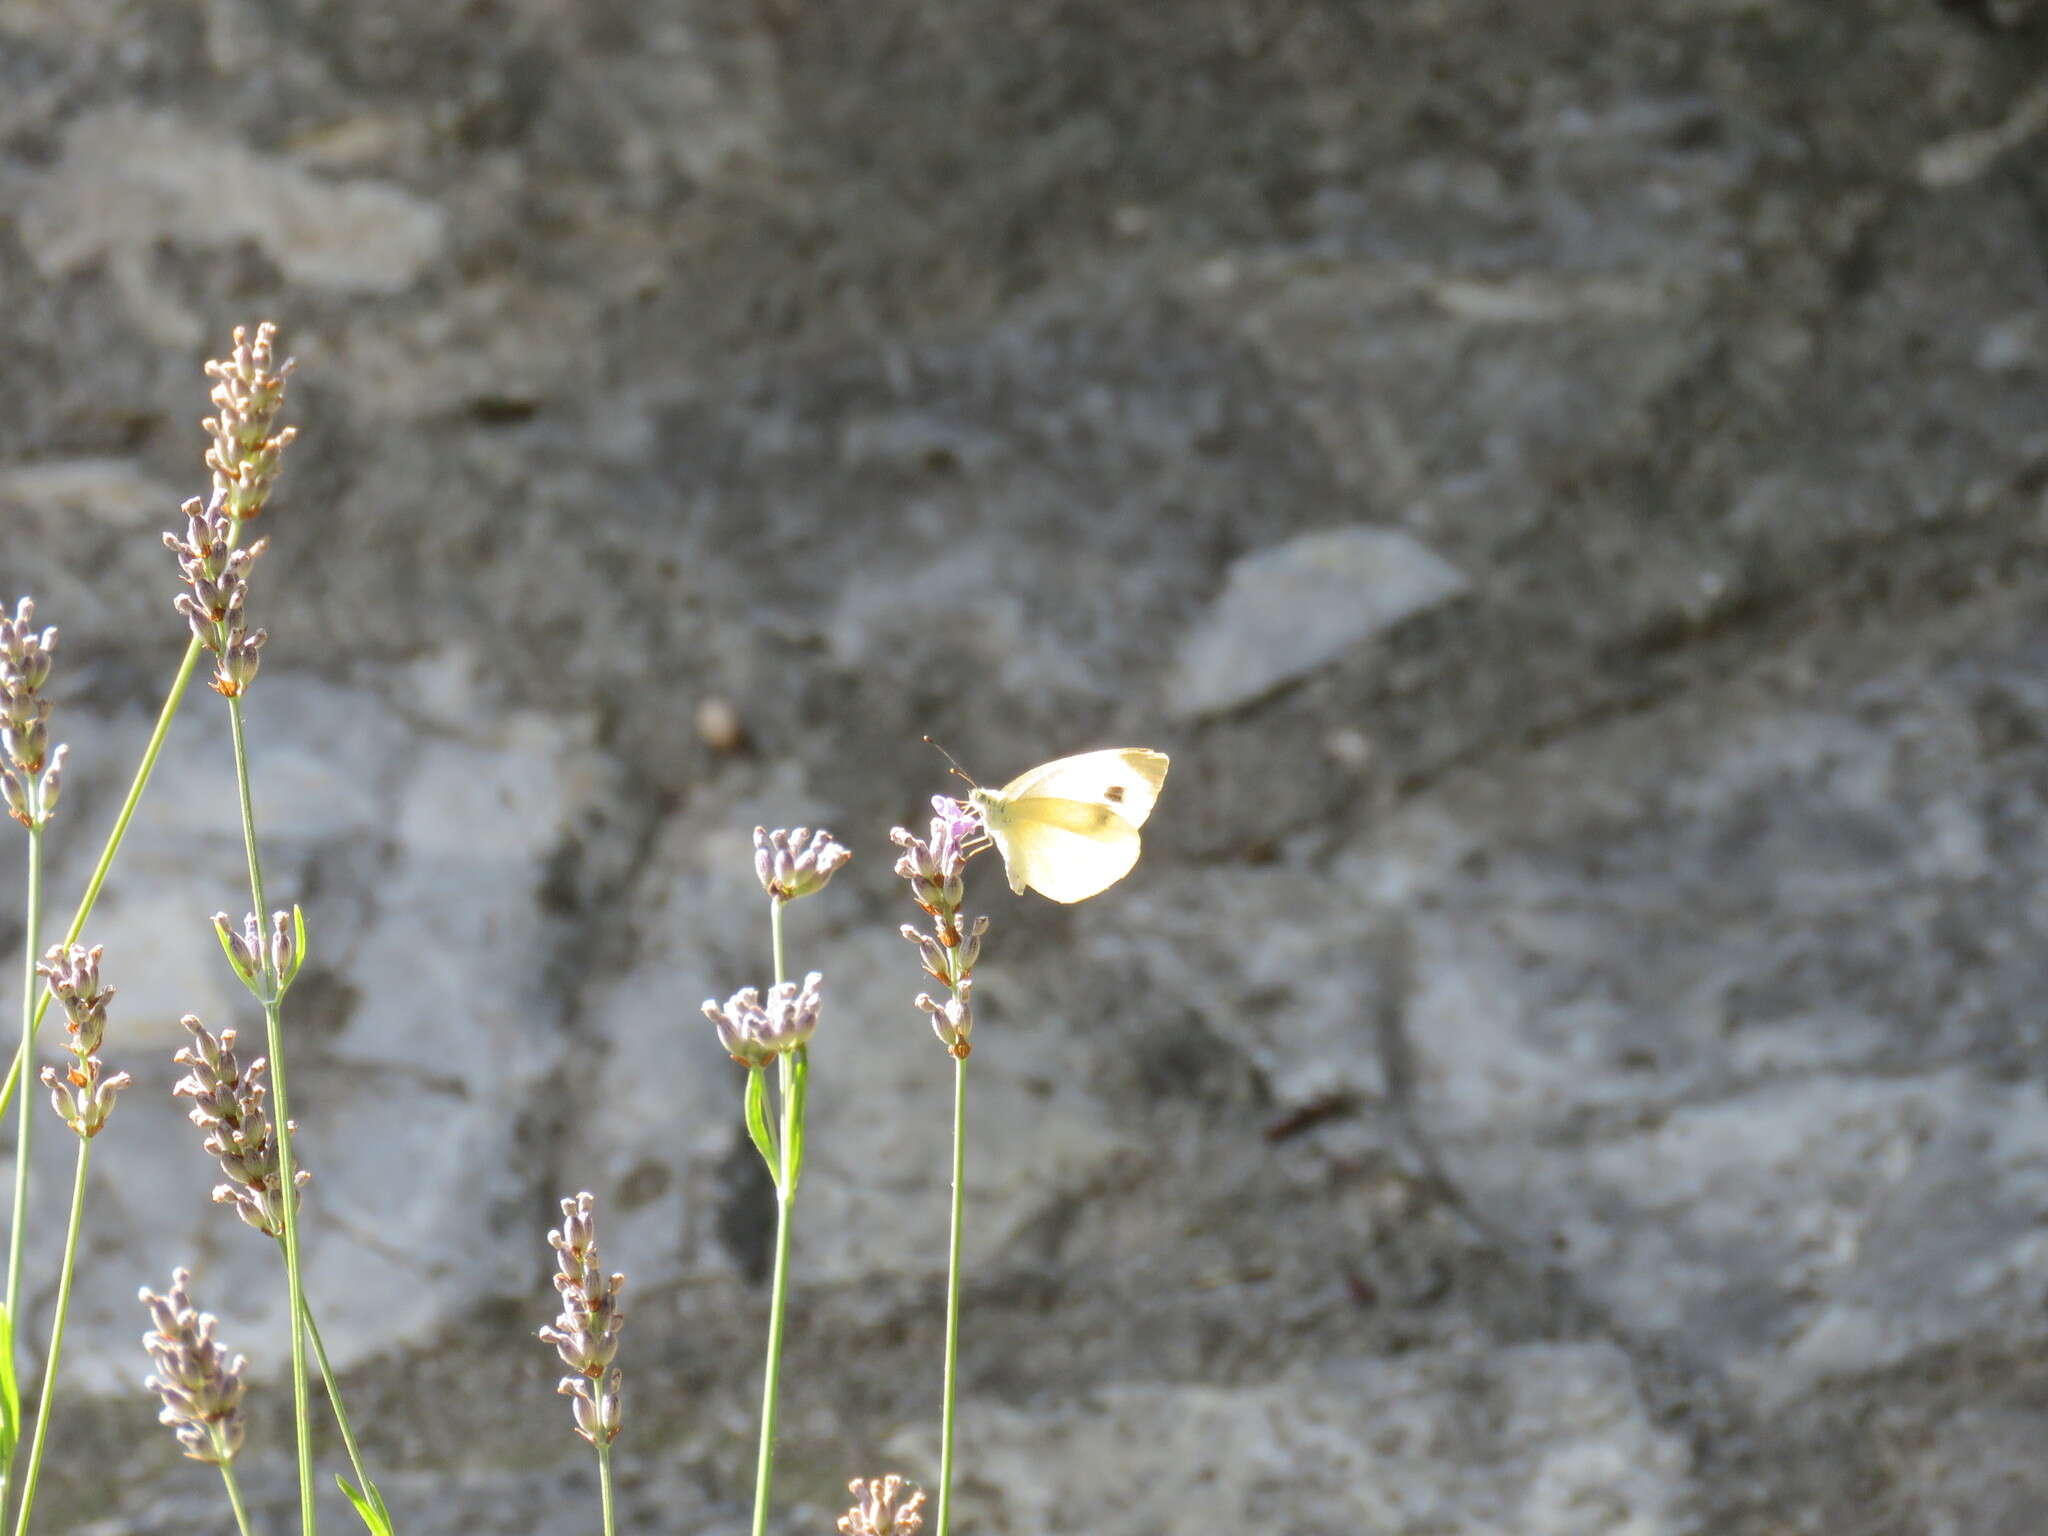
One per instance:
(1568,484)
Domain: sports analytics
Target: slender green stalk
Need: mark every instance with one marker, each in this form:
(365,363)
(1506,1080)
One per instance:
(348,1437)
(785,1068)
(604,1484)
(764,1472)
(100,871)
(273,1023)
(234,1487)
(49,1392)
(30,1016)
(953,1295)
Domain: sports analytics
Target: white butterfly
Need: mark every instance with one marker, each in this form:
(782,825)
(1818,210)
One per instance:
(1068,829)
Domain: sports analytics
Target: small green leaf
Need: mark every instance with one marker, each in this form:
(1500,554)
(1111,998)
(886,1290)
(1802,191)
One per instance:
(757,1123)
(10,1392)
(298,954)
(371,1509)
(799,1076)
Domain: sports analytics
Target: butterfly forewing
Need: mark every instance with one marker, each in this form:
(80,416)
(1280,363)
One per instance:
(1128,778)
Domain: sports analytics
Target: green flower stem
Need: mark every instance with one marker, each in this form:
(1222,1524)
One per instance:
(273,1023)
(49,1392)
(143,770)
(764,1467)
(227,1476)
(30,1015)
(785,1194)
(604,1484)
(348,1436)
(953,1296)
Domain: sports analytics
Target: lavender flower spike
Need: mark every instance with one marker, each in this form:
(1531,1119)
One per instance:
(227,1104)
(30,773)
(200,1383)
(216,576)
(796,863)
(83,1093)
(880,1510)
(73,974)
(755,1033)
(936,867)
(248,392)
(586,1335)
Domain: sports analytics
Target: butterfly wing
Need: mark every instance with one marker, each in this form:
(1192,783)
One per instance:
(1126,779)
(996,821)
(1066,850)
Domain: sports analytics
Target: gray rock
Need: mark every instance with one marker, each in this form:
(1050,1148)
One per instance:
(1286,611)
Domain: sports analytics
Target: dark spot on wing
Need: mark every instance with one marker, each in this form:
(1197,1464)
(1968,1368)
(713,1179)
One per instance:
(1114,794)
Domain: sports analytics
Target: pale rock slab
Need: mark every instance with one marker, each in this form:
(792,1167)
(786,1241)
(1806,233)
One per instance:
(1287,610)
(129,178)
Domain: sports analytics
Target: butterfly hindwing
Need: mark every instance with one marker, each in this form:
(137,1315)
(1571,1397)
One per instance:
(1063,849)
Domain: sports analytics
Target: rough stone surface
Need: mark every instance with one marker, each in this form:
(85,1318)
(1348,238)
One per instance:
(1570,1060)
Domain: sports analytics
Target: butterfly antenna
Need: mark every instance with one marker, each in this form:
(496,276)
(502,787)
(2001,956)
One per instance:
(951,759)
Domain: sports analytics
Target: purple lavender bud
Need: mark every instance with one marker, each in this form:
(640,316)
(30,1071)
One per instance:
(16,796)
(916,861)
(952,1020)
(24,654)
(575,1241)
(754,1033)
(931,953)
(796,863)
(599,1408)
(955,825)
(738,1024)
(82,1097)
(27,742)
(21,708)
(281,941)
(970,947)
(244,949)
(880,1508)
(239,662)
(196,619)
(53,780)
(793,1011)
